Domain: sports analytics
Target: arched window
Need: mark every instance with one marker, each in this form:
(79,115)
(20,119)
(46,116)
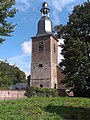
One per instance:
(41,46)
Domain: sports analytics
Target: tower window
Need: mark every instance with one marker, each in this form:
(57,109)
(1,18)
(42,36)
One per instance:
(54,47)
(41,46)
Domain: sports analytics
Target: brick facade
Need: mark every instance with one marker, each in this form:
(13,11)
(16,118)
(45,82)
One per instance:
(47,74)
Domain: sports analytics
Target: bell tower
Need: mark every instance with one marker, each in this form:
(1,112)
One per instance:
(44,53)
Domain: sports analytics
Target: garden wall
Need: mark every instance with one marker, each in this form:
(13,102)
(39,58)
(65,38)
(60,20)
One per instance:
(11,94)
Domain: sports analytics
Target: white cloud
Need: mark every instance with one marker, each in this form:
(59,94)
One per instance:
(56,5)
(27,47)
(60,4)
(1,59)
(60,57)
(55,17)
(23,5)
(22,61)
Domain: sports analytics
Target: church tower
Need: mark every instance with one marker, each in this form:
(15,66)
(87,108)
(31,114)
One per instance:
(44,53)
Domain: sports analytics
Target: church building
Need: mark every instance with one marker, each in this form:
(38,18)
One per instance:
(45,71)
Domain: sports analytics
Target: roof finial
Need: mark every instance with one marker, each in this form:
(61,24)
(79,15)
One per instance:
(45,9)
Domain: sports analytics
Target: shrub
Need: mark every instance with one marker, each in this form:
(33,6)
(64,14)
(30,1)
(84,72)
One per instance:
(42,92)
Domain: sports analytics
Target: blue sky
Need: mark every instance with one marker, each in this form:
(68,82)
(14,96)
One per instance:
(17,49)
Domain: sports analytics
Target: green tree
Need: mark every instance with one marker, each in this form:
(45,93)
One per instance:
(6,11)
(10,75)
(76,49)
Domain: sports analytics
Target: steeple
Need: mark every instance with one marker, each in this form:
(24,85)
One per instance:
(44,53)
(44,24)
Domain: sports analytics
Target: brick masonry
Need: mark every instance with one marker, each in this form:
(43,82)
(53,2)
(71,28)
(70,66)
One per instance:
(46,75)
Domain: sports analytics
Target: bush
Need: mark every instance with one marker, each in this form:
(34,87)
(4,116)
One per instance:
(41,92)
(83,93)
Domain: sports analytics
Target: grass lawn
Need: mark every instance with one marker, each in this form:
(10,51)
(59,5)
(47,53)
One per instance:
(36,108)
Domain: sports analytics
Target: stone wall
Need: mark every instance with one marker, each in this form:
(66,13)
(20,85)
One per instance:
(11,94)
(54,51)
(39,73)
(53,76)
(54,62)
(44,63)
(46,83)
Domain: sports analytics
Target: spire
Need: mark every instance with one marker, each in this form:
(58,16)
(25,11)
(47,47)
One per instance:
(44,24)
(45,9)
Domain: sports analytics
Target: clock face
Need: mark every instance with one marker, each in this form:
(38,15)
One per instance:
(47,25)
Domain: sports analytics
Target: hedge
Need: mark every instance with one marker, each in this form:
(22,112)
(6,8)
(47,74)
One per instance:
(44,92)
